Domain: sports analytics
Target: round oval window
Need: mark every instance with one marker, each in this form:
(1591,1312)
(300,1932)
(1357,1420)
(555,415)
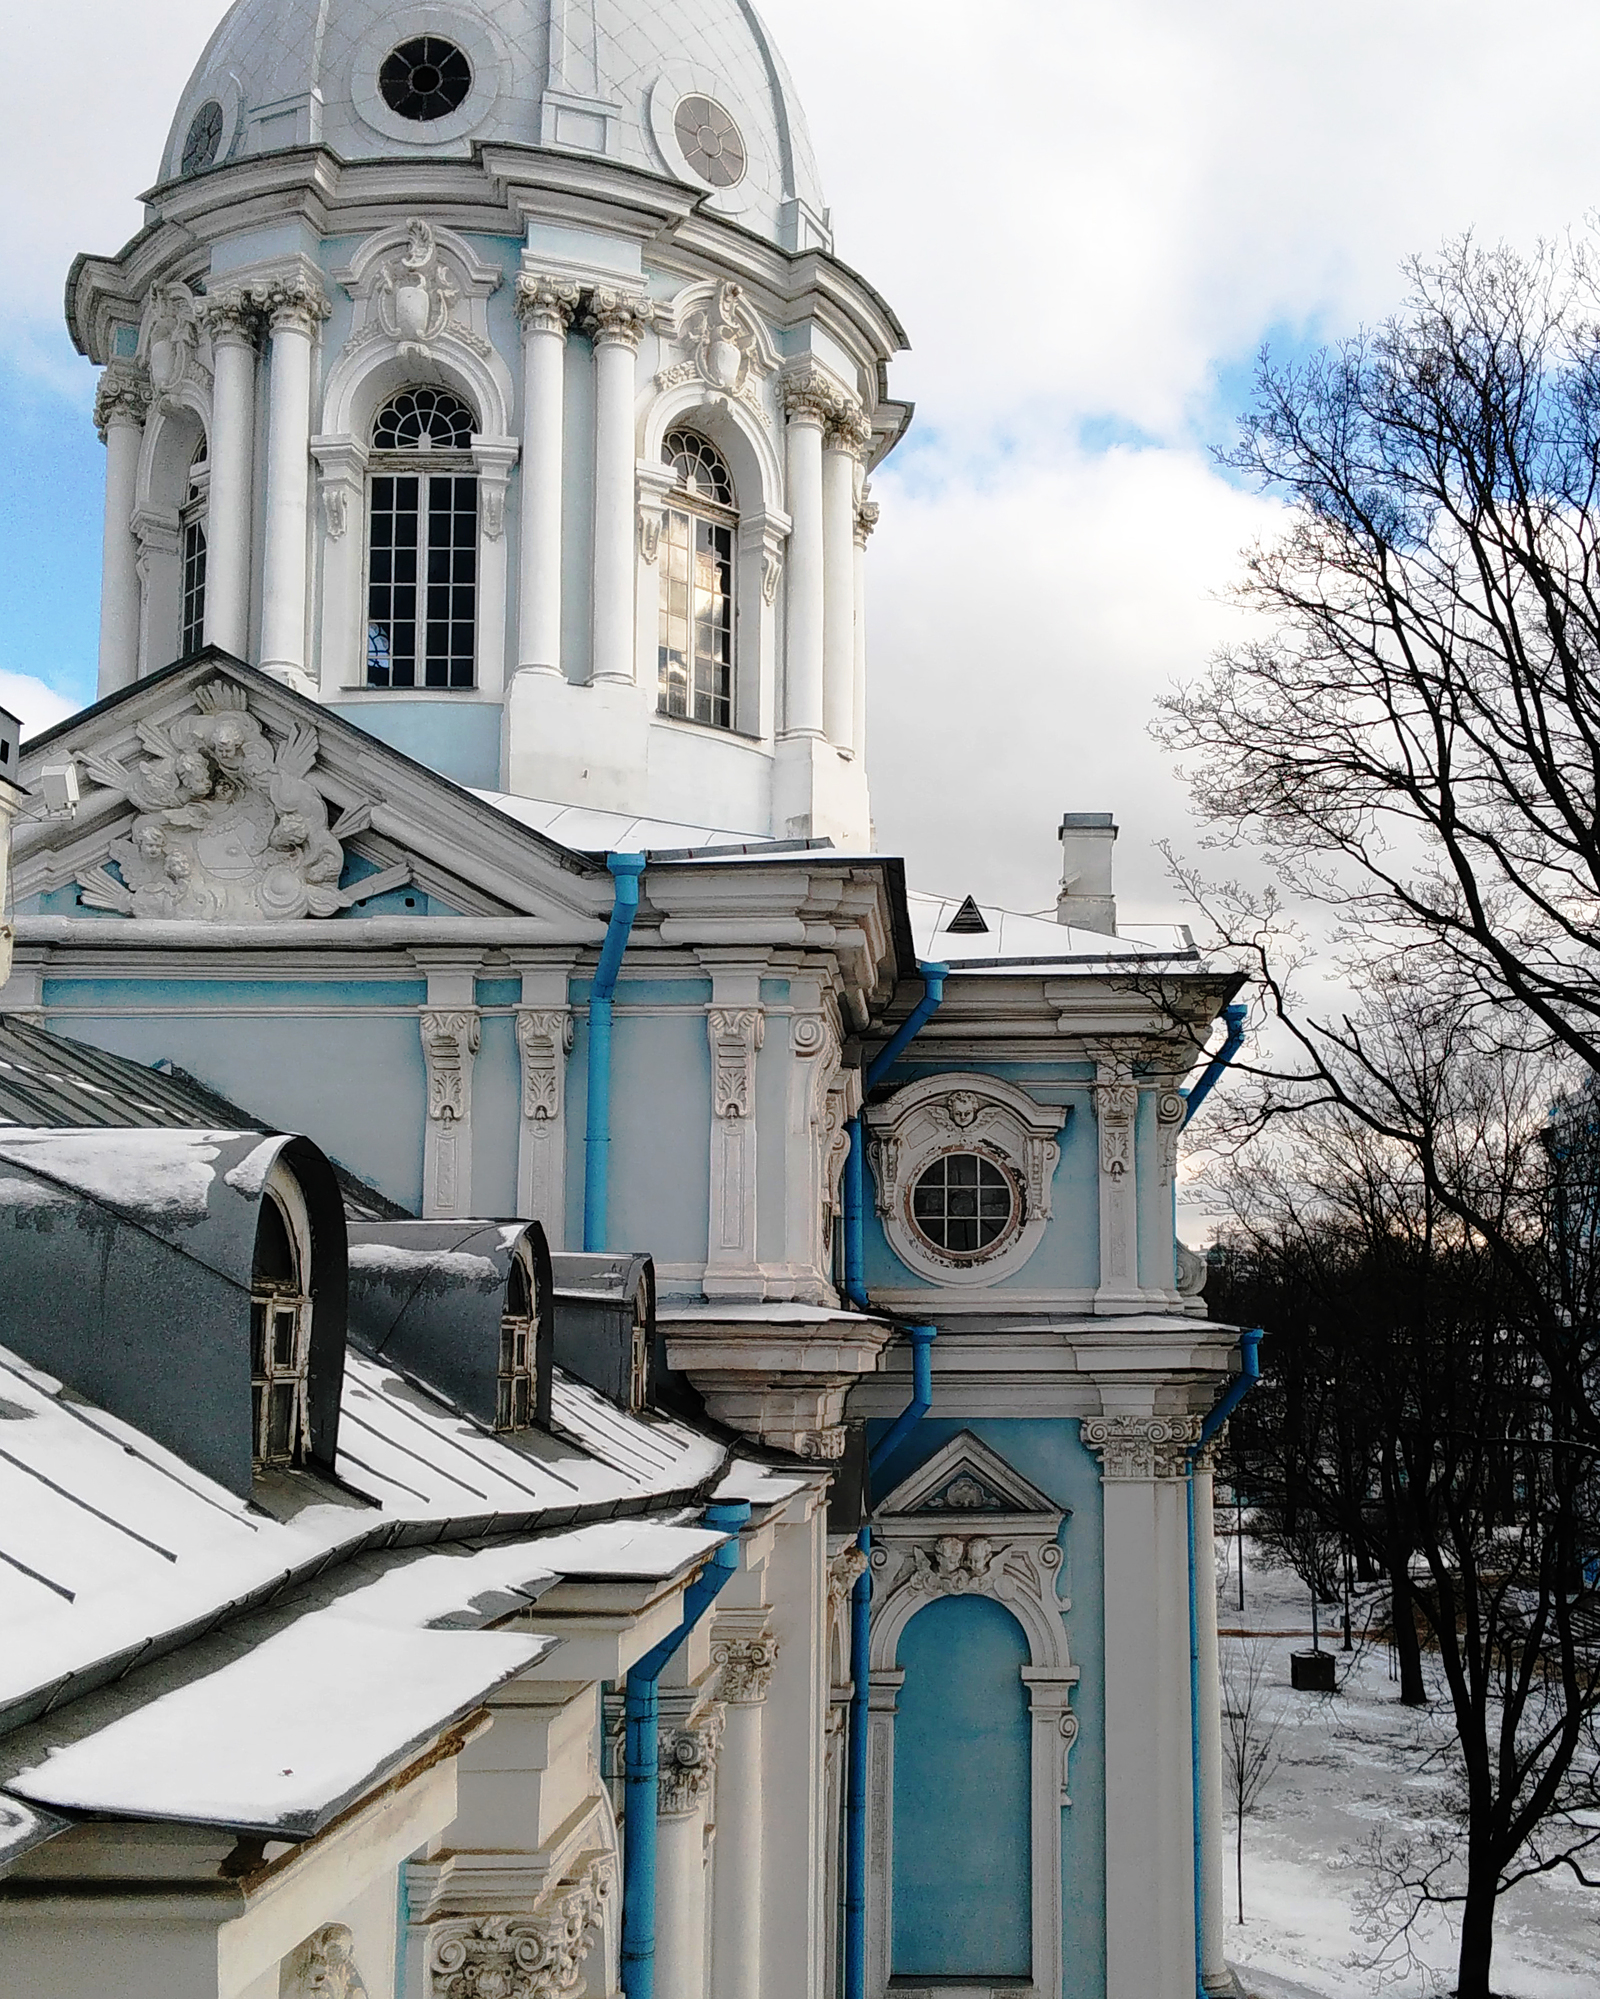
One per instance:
(711,141)
(205,136)
(425,79)
(963,1204)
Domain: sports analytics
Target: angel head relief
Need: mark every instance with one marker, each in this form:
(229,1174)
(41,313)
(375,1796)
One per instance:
(228,825)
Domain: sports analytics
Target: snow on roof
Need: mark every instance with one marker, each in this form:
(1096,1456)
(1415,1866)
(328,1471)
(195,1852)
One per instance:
(1038,940)
(282,1739)
(586,830)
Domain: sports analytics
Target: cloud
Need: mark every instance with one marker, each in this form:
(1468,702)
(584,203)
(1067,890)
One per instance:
(36,706)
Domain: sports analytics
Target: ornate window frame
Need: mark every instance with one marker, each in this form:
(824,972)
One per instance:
(967,1523)
(964,1112)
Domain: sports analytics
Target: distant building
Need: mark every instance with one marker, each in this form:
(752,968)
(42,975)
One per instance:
(490,1143)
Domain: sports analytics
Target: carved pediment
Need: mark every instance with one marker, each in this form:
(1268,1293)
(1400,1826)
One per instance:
(965,1477)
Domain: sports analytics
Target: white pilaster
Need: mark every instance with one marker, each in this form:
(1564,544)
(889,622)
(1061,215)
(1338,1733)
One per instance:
(493,458)
(796,1927)
(688,1761)
(121,404)
(451,1028)
(746,1655)
(1149,1807)
(735,1027)
(1116,1110)
(865,521)
(233,321)
(545,306)
(808,402)
(844,445)
(617,322)
(1213,1892)
(292,307)
(544,1039)
(159,570)
(341,497)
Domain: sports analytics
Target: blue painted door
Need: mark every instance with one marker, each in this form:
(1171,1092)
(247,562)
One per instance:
(962,1843)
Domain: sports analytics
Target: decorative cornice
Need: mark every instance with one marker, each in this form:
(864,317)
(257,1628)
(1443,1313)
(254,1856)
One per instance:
(450,1037)
(747,1665)
(545,304)
(688,1762)
(618,318)
(538,1956)
(1142,1447)
(544,1037)
(123,396)
(735,1034)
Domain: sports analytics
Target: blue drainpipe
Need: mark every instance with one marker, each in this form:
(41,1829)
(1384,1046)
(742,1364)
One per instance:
(1233,1019)
(625,870)
(1240,1386)
(642,1753)
(922,1338)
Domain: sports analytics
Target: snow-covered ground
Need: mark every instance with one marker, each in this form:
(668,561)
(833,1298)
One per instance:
(1348,1766)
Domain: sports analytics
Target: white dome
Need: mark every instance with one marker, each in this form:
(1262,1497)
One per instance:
(629,80)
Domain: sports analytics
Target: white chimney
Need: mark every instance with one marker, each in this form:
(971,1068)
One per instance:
(1086,899)
(11,796)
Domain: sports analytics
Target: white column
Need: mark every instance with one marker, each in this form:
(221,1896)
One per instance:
(618,322)
(293,307)
(738,1889)
(866,521)
(234,322)
(688,1762)
(1213,1894)
(796,1928)
(1149,1802)
(545,306)
(844,444)
(1116,1110)
(120,406)
(808,402)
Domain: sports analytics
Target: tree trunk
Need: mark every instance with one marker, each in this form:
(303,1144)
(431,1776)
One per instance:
(1477,1934)
(1238,1862)
(1403,1620)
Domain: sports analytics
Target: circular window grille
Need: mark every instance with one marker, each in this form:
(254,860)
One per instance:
(424,420)
(710,141)
(963,1204)
(425,78)
(699,466)
(205,136)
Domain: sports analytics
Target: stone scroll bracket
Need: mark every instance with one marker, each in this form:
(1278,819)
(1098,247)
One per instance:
(735,1030)
(451,1028)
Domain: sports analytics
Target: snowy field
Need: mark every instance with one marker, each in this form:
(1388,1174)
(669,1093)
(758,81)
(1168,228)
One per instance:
(1348,1765)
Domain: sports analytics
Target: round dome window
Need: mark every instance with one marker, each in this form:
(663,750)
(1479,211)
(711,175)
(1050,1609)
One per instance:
(425,79)
(963,1205)
(710,140)
(205,137)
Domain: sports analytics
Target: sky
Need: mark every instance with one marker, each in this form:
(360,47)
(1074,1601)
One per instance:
(1089,220)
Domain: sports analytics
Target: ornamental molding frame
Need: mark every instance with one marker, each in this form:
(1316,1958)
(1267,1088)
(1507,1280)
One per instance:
(967,1523)
(228,825)
(1142,1447)
(961,1112)
(536,1956)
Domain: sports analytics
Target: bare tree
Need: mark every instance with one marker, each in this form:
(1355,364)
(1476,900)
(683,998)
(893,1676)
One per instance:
(1251,1722)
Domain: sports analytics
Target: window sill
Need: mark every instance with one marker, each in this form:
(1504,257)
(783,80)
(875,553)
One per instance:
(711,729)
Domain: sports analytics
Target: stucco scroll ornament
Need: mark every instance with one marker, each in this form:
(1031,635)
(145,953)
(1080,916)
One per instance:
(843,1571)
(450,1038)
(1116,1107)
(415,295)
(172,343)
(735,1034)
(687,1761)
(544,1035)
(539,1956)
(324,1966)
(747,1666)
(228,824)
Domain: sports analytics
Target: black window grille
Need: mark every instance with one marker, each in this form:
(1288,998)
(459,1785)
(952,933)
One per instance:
(422,547)
(963,1203)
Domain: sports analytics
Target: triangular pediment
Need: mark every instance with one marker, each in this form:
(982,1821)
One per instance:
(965,1479)
(212,792)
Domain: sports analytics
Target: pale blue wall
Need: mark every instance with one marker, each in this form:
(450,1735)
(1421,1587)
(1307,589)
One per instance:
(457,735)
(496,1101)
(1051,1455)
(962,1845)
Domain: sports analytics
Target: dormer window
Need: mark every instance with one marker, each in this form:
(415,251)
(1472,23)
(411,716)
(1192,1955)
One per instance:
(280,1325)
(515,1397)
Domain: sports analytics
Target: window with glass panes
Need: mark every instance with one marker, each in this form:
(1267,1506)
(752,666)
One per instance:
(192,522)
(963,1204)
(696,555)
(422,543)
(279,1328)
(514,1399)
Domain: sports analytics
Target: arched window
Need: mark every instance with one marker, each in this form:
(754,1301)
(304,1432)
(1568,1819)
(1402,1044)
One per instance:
(192,526)
(697,535)
(280,1339)
(422,543)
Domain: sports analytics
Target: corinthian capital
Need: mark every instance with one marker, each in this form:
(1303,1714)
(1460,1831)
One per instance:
(533,1956)
(123,396)
(848,430)
(295,304)
(747,1665)
(866,520)
(1142,1447)
(233,314)
(687,1762)
(545,304)
(618,318)
(808,396)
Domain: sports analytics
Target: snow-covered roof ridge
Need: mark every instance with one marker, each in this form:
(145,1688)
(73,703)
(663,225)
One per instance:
(1012,939)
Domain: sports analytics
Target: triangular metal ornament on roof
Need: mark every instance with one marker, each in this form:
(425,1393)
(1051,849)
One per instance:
(968,920)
